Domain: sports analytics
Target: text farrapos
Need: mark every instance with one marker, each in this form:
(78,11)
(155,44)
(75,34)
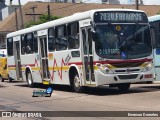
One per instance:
(143,114)
(121,16)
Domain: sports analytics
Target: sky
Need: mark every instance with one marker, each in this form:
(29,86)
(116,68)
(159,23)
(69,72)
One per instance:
(146,2)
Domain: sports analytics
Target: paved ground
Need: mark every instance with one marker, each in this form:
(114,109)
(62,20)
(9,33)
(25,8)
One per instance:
(17,96)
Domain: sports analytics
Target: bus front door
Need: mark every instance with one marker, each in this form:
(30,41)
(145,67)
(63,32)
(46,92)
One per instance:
(87,56)
(17,60)
(44,60)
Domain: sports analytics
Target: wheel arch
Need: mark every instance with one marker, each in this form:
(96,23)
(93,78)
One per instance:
(72,70)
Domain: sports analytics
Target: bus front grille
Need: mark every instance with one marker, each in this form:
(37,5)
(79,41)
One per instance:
(124,77)
(124,65)
(124,71)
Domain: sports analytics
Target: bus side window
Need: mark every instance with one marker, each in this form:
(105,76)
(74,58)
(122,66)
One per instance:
(61,38)
(73,35)
(158,33)
(35,43)
(90,40)
(10,46)
(23,45)
(29,43)
(156,43)
(51,40)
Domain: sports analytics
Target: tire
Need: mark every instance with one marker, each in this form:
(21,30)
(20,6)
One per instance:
(30,79)
(76,83)
(124,86)
(1,78)
(10,79)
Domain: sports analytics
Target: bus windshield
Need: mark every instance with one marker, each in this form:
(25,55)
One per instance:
(122,41)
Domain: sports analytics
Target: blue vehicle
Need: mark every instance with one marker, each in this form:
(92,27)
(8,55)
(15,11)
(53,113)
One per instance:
(155,34)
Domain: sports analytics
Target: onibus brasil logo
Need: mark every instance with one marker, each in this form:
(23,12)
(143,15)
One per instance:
(43,93)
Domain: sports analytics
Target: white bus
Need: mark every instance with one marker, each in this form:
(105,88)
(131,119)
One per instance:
(155,23)
(92,48)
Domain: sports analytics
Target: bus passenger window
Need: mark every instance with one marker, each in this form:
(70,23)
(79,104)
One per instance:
(35,43)
(10,46)
(73,35)
(90,40)
(23,45)
(29,43)
(61,39)
(51,40)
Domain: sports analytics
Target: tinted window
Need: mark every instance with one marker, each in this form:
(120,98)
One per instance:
(51,40)
(90,40)
(73,35)
(10,46)
(61,38)
(126,42)
(156,34)
(84,41)
(23,45)
(29,43)
(35,42)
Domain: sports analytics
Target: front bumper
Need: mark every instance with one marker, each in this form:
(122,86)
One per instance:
(104,79)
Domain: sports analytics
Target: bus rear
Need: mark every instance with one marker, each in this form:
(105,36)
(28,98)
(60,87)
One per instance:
(123,51)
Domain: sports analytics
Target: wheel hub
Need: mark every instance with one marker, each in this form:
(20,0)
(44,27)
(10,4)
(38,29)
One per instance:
(77,81)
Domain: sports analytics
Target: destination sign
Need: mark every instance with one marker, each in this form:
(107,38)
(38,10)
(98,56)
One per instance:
(119,17)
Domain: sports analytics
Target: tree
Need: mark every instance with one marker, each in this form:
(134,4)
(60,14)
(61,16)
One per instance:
(42,19)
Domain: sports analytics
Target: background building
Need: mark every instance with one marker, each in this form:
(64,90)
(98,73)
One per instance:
(2,5)
(65,1)
(8,10)
(110,1)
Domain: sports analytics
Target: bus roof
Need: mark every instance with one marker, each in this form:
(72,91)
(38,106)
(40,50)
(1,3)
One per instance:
(72,18)
(154,18)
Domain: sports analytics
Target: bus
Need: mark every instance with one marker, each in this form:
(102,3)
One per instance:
(93,48)
(155,24)
(3,65)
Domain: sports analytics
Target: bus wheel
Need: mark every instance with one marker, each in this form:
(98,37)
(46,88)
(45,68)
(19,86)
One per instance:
(124,86)
(10,79)
(76,83)
(1,78)
(29,79)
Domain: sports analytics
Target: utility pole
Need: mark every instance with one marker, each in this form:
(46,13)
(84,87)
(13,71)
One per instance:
(137,4)
(33,14)
(49,13)
(33,10)
(16,19)
(20,10)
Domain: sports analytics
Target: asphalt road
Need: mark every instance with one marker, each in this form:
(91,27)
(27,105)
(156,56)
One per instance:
(17,96)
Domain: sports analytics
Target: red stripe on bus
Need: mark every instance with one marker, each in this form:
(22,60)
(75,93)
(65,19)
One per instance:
(102,62)
(11,65)
(31,65)
(122,61)
(77,63)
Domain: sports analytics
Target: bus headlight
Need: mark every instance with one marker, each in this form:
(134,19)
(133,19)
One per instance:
(104,69)
(148,67)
